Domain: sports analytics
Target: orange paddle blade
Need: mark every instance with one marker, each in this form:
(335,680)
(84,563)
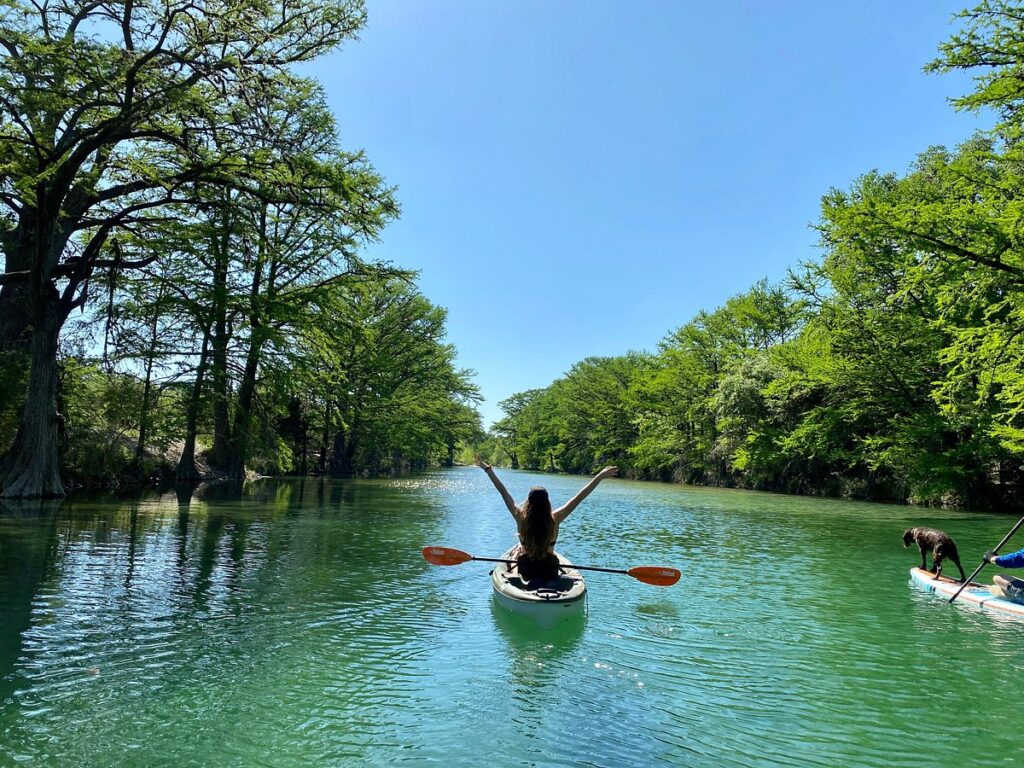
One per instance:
(657,575)
(446,556)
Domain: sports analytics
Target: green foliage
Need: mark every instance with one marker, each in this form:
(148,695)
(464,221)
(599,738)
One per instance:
(101,413)
(201,192)
(991,41)
(578,423)
(850,392)
(195,201)
(379,386)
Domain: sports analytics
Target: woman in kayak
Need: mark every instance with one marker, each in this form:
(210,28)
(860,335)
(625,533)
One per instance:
(538,525)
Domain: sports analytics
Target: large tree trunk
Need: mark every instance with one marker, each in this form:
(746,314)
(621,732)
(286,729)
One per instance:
(295,428)
(221,404)
(238,452)
(343,458)
(36,243)
(31,468)
(304,462)
(186,469)
(325,438)
(147,388)
(32,309)
(219,363)
(14,322)
(16,297)
(240,430)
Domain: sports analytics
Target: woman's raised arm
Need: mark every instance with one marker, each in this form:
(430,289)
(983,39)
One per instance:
(505,495)
(563,511)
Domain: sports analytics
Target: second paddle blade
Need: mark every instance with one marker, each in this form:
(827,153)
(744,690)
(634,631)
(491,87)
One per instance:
(657,575)
(446,556)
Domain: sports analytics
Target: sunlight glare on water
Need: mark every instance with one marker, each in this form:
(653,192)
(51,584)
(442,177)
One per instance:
(297,624)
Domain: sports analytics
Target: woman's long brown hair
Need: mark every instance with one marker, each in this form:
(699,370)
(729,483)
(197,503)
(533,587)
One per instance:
(537,531)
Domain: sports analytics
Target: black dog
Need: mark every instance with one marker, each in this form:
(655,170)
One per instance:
(940,545)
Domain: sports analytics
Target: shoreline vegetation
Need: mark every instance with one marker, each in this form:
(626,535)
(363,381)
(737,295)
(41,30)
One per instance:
(183,295)
(181,232)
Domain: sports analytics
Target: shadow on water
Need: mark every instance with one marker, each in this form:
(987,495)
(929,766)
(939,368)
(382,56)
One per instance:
(27,545)
(221,490)
(521,631)
(536,655)
(664,609)
(108,605)
(292,493)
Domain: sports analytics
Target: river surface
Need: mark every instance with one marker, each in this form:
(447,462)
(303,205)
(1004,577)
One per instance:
(296,624)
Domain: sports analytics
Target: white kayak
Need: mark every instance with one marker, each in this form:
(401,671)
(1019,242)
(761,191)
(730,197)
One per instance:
(546,602)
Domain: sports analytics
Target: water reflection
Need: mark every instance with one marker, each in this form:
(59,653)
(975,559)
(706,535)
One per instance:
(294,623)
(195,604)
(536,656)
(27,545)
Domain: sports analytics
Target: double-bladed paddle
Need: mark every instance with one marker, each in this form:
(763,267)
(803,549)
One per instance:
(977,570)
(649,574)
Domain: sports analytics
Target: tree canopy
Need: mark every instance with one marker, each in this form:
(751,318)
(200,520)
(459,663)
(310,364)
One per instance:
(164,169)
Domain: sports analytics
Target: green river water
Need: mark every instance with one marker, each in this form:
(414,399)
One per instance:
(296,624)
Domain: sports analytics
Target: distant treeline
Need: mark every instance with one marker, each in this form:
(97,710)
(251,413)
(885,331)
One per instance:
(893,368)
(182,292)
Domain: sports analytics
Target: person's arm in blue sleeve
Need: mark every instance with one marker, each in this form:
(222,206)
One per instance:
(1012,560)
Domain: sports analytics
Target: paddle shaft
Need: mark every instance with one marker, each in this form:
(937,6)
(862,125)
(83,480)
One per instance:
(574,567)
(977,570)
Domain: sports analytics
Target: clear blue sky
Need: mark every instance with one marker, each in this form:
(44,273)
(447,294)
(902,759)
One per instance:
(580,177)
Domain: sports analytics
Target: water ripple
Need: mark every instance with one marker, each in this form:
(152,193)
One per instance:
(299,626)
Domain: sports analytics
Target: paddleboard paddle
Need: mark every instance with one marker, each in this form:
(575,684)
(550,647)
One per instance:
(977,570)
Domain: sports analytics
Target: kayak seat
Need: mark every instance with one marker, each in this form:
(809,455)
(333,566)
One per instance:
(557,584)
